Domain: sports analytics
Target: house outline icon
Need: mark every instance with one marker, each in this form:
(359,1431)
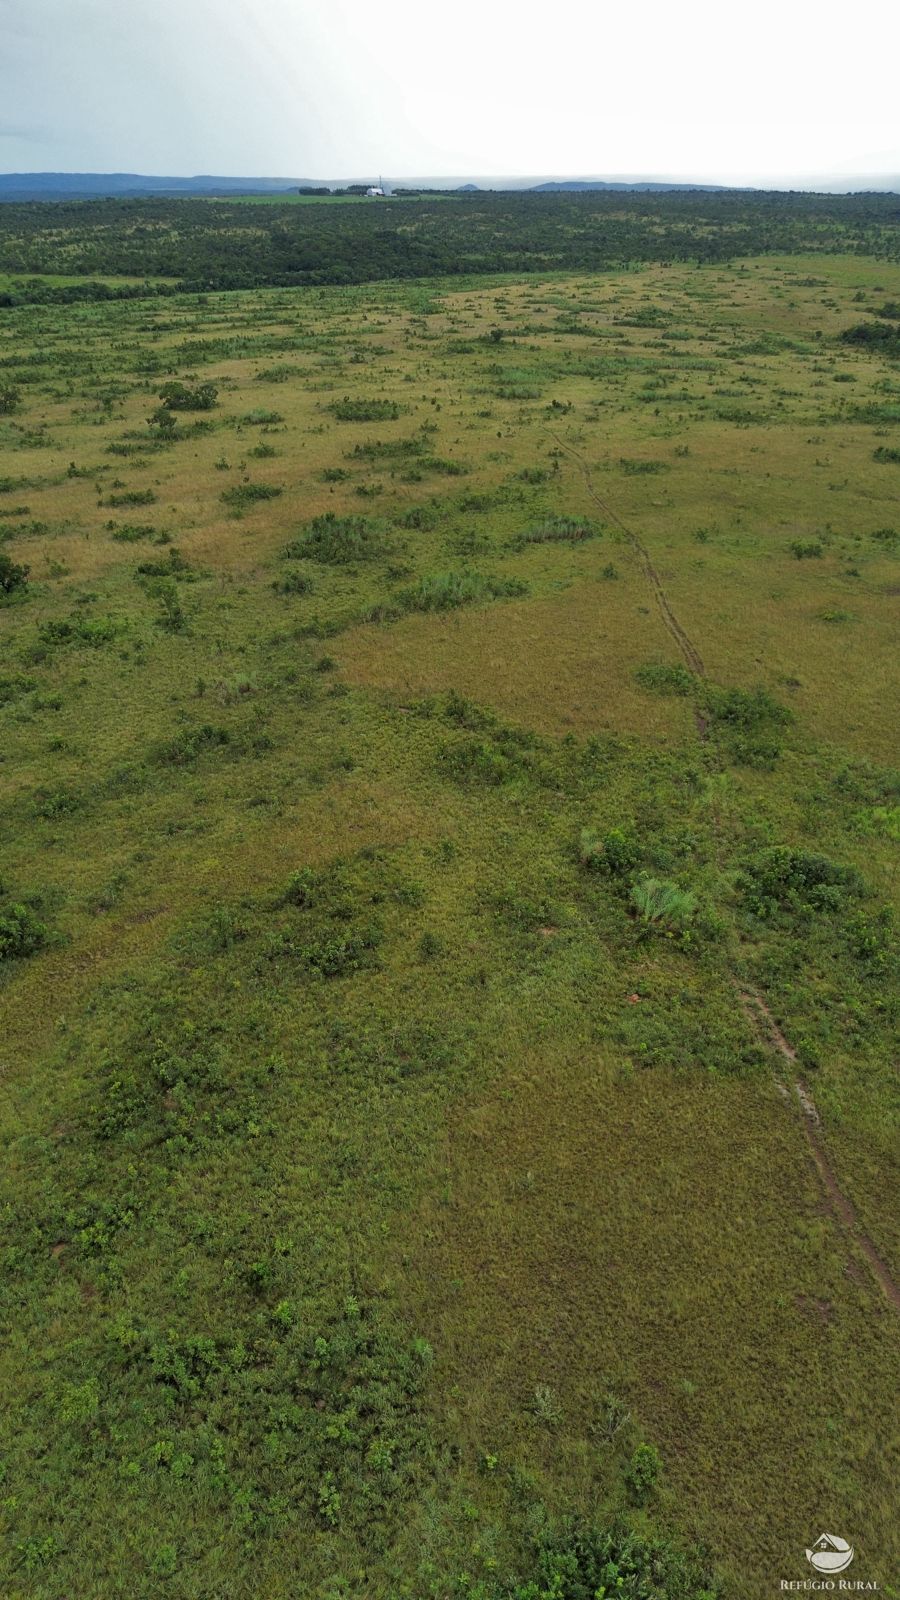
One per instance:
(830,1553)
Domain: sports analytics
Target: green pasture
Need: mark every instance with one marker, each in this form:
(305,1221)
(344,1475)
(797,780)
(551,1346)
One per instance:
(427,712)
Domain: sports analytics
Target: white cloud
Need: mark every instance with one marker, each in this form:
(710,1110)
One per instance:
(350,87)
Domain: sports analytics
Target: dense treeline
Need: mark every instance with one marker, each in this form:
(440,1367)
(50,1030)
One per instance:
(221,244)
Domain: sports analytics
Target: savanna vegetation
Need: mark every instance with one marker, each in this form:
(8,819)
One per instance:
(447,956)
(75,251)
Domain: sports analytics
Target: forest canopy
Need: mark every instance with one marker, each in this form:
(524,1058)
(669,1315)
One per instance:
(166,244)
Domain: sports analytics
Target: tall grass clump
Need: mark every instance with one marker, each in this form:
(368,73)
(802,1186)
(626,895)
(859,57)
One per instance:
(338,541)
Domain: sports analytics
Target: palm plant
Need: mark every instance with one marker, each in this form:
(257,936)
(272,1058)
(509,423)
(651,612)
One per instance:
(662,904)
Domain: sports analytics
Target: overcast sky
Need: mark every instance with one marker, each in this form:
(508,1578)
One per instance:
(771,90)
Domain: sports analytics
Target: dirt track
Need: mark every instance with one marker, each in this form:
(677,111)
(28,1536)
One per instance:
(755,1008)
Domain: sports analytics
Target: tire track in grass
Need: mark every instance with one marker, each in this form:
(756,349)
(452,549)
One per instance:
(767,1028)
(757,1012)
(689,652)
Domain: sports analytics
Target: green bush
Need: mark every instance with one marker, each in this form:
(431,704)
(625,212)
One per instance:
(560,530)
(481,761)
(278,374)
(445,591)
(15,687)
(616,852)
(12,575)
(132,532)
(293,582)
(178,397)
(187,746)
(642,468)
(643,1471)
(420,518)
(173,565)
(584,1562)
(339,541)
(93,631)
(132,497)
(797,882)
(348,410)
(879,337)
(748,722)
(242,495)
(171,615)
(337,928)
(666,678)
(21,932)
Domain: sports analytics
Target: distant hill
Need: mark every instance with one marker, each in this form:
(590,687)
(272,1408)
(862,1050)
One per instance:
(114,185)
(575,185)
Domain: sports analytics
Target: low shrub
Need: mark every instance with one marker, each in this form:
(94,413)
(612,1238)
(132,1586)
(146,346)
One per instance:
(178,397)
(13,576)
(445,591)
(348,410)
(560,530)
(171,615)
(14,688)
(748,723)
(781,880)
(293,582)
(583,1562)
(243,495)
(21,932)
(665,678)
(93,631)
(338,541)
(132,497)
(641,468)
(643,1471)
(173,565)
(488,761)
(615,853)
(420,518)
(187,746)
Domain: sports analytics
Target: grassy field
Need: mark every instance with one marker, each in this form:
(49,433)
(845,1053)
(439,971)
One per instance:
(447,979)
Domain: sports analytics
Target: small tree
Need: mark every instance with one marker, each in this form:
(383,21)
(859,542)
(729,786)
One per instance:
(177,397)
(12,575)
(164,420)
(21,932)
(643,1471)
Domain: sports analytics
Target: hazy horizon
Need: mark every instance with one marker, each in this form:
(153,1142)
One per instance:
(810,183)
(186,87)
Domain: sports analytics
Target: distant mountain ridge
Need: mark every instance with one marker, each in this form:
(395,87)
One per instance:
(131,185)
(122,185)
(577,185)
